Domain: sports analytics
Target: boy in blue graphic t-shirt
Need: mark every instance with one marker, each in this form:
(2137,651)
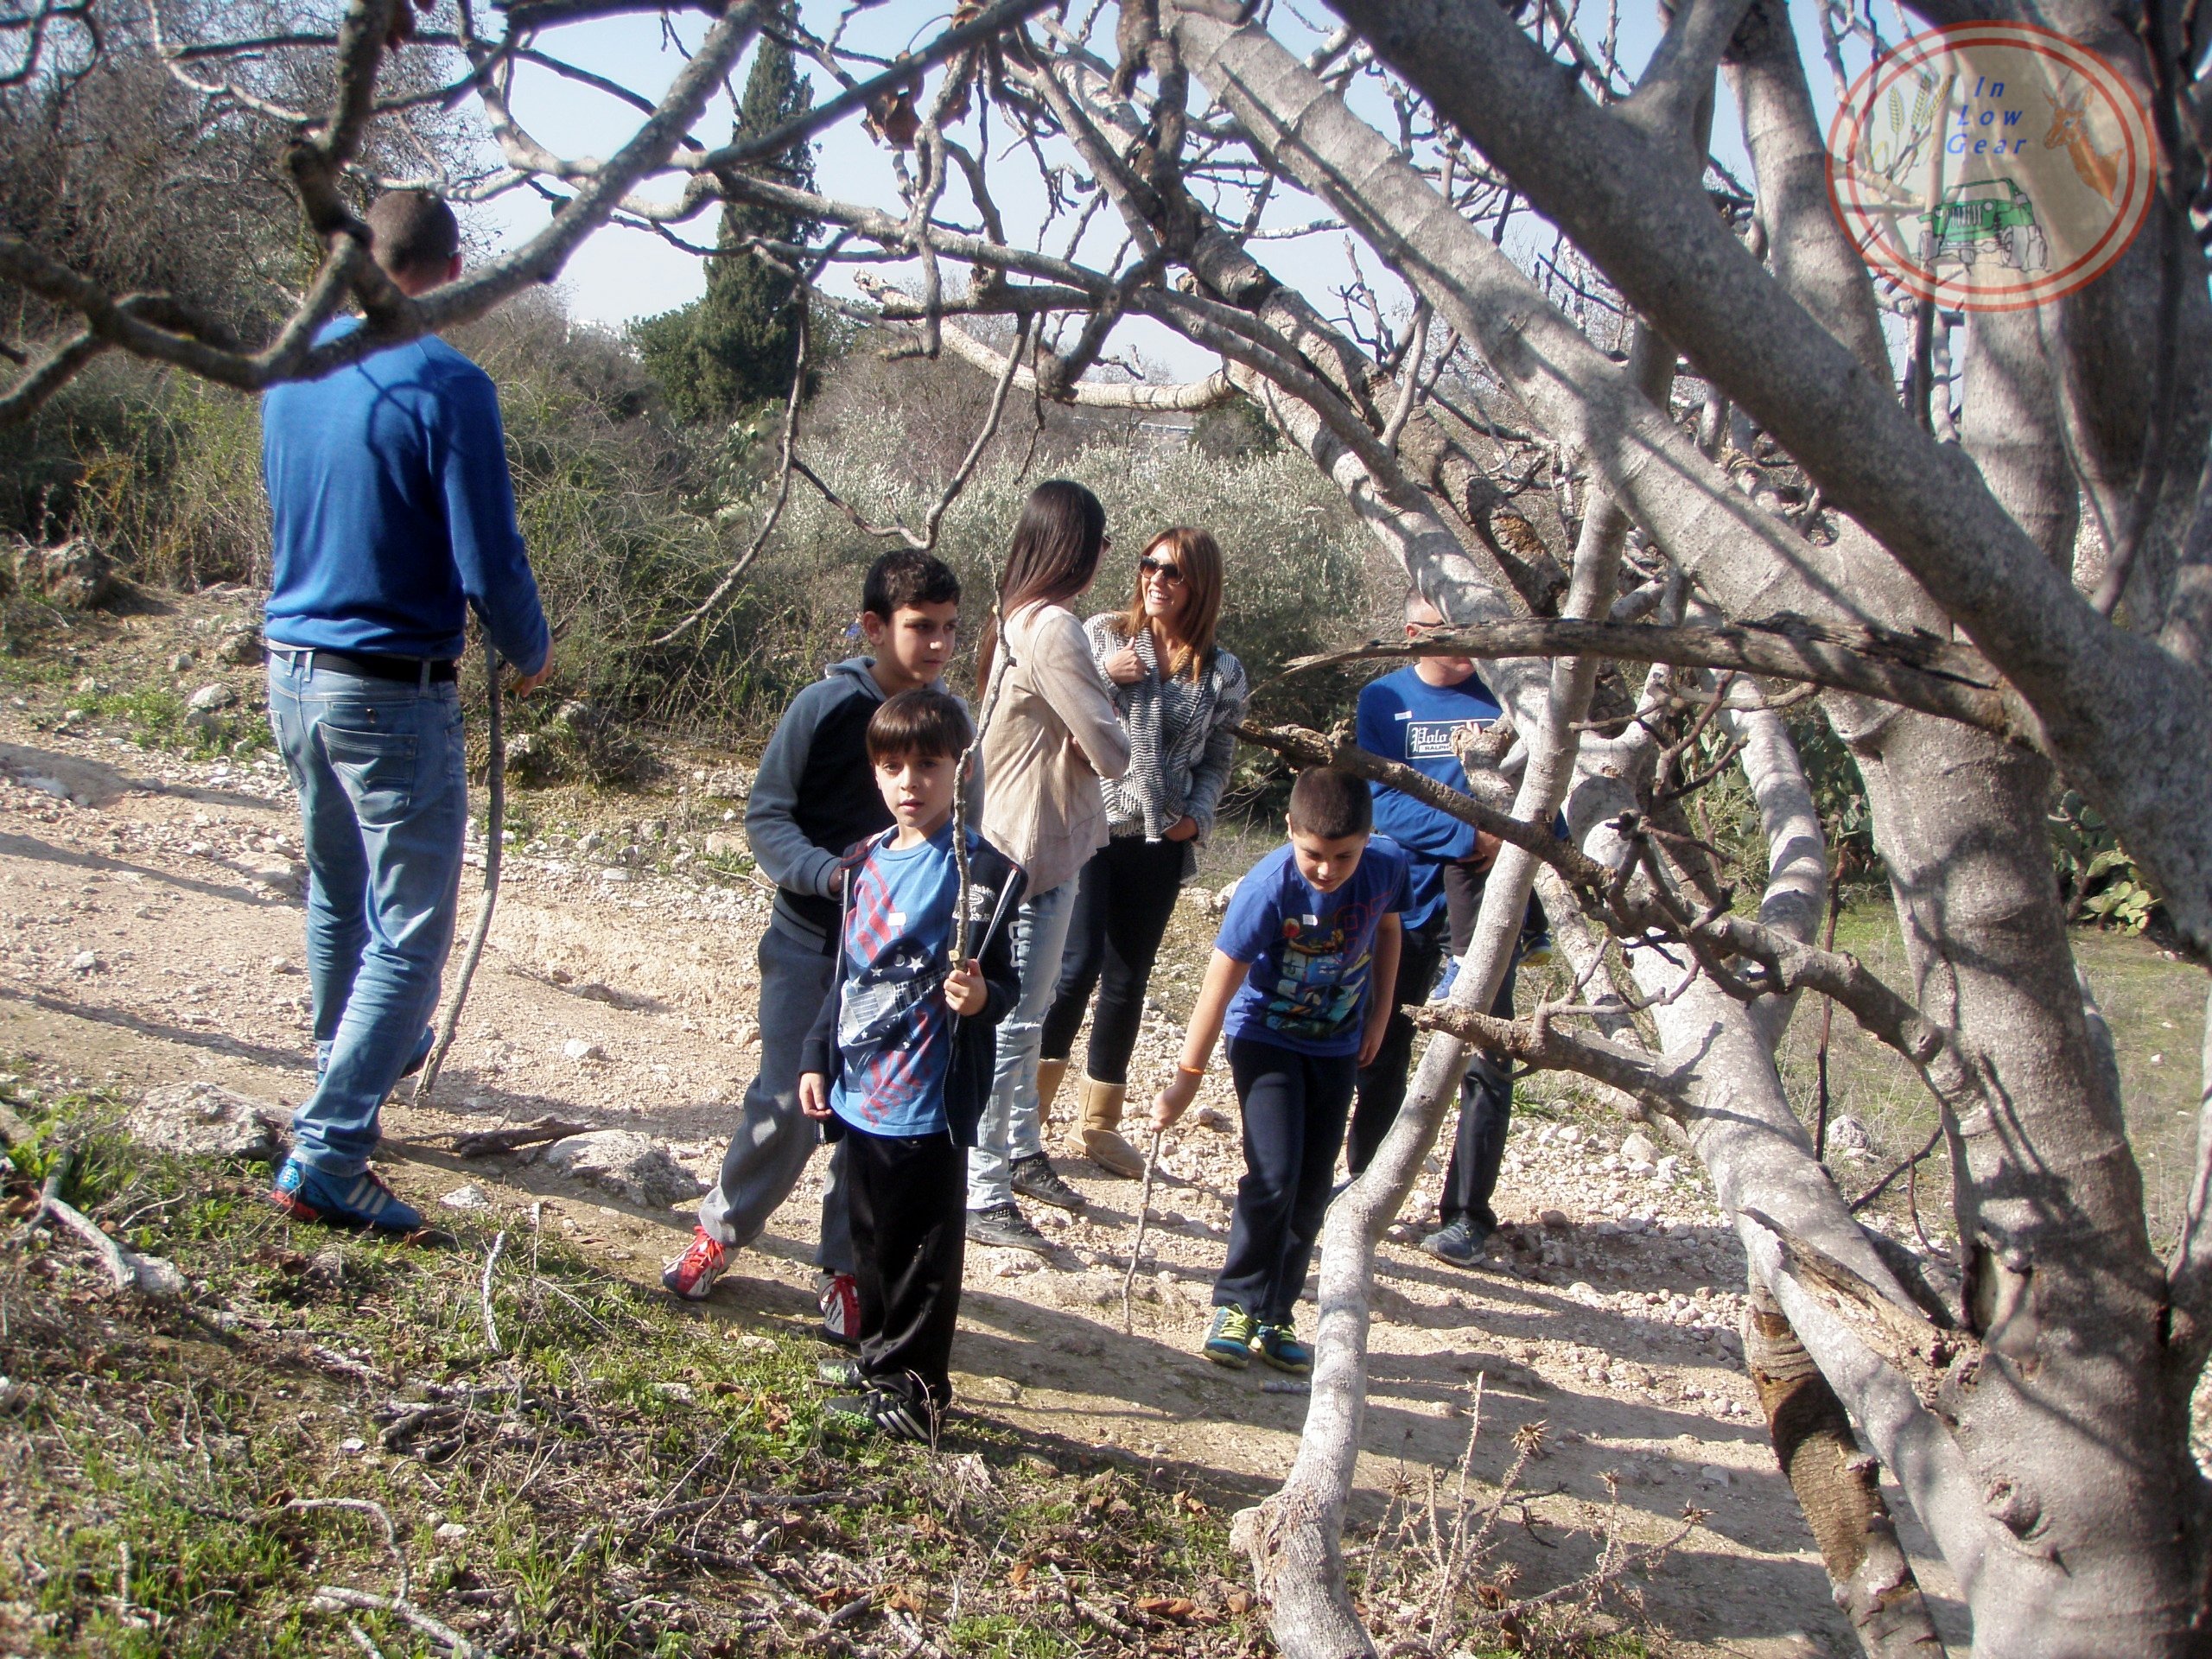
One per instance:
(898,1063)
(1311,938)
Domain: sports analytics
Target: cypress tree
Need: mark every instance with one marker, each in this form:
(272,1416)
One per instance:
(738,346)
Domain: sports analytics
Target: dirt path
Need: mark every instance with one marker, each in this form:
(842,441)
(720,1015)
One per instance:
(148,934)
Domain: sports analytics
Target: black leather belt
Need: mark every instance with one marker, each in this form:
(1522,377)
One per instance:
(408,671)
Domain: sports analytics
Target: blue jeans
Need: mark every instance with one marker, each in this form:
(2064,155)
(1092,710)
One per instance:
(383,805)
(1009,1128)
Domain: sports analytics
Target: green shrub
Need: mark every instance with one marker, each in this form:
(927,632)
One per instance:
(631,525)
(169,479)
(2096,878)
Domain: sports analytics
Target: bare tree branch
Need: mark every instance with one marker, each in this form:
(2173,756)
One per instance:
(1927,675)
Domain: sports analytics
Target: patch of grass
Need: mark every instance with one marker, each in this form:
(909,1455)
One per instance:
(2153,1004)
(627,1476)
(158,718)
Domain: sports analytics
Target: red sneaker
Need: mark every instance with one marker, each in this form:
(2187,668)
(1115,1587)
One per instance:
(841,1310)
(692,1274)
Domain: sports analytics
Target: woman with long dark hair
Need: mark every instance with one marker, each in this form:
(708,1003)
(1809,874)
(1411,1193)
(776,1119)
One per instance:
(1051,733)
(1178,695)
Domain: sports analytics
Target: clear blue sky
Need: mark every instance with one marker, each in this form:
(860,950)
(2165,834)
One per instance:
(622,274)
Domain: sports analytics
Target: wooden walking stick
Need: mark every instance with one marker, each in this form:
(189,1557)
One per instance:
(1144,1215)
(494,845)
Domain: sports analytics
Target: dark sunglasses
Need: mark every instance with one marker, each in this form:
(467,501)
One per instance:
(1150,567)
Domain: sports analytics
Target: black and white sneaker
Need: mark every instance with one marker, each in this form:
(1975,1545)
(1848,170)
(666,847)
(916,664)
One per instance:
(1035,1178)
(1004,1227)
(890,1413)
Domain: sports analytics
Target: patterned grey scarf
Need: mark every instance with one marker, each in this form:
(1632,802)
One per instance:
(1168,722)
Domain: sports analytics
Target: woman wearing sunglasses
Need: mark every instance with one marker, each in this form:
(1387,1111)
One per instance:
(1177,693)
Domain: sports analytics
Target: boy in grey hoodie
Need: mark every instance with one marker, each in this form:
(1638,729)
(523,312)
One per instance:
(815,797)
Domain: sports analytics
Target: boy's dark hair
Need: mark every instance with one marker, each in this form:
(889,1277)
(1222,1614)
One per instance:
(925,723)
(907,576)
(412,232)
(1326,801)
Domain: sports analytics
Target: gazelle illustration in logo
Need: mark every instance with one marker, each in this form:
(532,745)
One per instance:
(2069,127)
(1990,166)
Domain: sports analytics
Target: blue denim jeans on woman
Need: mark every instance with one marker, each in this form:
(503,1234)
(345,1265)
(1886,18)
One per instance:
(1010,1129)
(384,801)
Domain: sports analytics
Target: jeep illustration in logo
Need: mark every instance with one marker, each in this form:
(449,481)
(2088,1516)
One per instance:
(1987,216)
(1990,166)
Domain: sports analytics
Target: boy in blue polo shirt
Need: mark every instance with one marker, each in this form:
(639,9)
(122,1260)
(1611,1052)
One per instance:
(1300,977)
(1413,716)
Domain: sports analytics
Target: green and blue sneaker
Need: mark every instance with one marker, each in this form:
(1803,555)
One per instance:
(1281,1348)
(1229,1340)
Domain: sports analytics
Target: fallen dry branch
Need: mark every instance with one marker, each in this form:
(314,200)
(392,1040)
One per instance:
(149,1275)
(329,1597)
(490,1143)
(362,1506)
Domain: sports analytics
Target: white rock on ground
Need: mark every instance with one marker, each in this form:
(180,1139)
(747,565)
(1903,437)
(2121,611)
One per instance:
(627,1164)
(212,696)
(200,1120)
(1848,1134)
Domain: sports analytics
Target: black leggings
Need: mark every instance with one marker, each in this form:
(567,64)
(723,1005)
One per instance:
(1122,907)
(1294,1107)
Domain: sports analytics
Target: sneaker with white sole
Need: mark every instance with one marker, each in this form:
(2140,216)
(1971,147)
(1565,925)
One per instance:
(1035,1178)
(306,1194)
(1460,1242)
(1004,1227)
(841,1310)
(1279,1346)
(1228,1341)
(887,1413)
(692,1274)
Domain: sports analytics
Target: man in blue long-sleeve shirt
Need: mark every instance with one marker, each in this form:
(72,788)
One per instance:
(393,515)
(1411,716)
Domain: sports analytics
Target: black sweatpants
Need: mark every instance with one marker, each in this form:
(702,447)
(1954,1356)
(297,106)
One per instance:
(1294,1108)
(1122,910)
(909,1205)
(1486,1096)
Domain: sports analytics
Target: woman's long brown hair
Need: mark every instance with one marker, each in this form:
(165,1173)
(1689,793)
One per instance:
(1056,549)
(1198,556)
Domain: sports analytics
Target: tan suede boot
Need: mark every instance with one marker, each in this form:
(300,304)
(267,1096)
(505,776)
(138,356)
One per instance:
(1049,1076)
(1097,1139)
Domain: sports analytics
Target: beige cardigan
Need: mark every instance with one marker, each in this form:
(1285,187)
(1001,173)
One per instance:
(1053,734)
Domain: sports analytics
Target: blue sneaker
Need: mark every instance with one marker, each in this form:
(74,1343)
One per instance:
(1460,1242)
(1229,1342)
(1281,1348)
(305,1193)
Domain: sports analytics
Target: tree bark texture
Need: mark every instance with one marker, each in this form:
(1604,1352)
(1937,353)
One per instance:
(2121,713)
(1839,1489)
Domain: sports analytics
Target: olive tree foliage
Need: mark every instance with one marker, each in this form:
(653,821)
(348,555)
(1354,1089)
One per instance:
(1656,476)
